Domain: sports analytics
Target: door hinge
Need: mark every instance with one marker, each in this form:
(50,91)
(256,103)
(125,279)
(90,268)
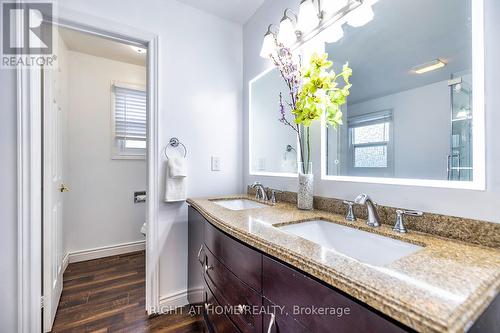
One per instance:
(42,302)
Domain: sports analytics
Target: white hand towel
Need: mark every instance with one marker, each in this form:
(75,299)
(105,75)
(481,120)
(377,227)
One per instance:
(177,167)
(175,188)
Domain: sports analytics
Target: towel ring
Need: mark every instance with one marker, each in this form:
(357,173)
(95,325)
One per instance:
(174,142)
(289,149)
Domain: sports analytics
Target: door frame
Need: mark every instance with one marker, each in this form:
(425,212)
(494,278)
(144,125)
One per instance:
(29,166)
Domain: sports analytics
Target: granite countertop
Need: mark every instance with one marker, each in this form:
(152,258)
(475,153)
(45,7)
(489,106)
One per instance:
(443,287)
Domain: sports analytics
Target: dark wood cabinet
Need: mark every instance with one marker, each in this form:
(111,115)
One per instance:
(240,259)
(276,320)
(248,291)
(317,306)
(228,289)
(216,320)
(196,223)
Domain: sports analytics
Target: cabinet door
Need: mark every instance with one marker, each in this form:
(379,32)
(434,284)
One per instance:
(195,256)
(317,306)
(216,319)
(234,293)
(243,261)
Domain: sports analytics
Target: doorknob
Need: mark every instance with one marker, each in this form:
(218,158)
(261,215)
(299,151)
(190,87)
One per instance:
(63,188)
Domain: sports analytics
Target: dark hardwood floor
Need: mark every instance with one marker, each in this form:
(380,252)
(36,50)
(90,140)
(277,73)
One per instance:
(108,295)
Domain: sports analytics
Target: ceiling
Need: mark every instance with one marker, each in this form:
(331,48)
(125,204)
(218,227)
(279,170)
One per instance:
(101,47)
(238,11)
(402,35)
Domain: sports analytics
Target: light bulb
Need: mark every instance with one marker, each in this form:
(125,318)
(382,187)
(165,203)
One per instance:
(268,46)
(332,34)
(333,6)
(286,36)
(360,16)
(308,17)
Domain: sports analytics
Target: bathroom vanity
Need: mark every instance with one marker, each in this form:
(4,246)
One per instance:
(257,275)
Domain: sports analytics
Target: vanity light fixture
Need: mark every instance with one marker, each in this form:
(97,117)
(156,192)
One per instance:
(333,33)
(308,16)
(333,6)
(362,16)
(269,44)
(316,16)
(429,66)
(286,34)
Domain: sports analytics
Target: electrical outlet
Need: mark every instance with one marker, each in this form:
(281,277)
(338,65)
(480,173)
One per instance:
(215,163)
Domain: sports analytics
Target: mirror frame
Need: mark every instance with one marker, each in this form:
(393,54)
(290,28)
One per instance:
(250,148)
(478,131)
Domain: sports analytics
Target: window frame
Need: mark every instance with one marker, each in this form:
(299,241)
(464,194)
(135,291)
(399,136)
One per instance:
(373,118)
(118,149)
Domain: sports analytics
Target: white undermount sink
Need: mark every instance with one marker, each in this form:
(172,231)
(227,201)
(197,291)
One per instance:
(239,204)
(364,246)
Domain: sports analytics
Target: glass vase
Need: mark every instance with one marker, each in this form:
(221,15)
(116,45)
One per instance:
(306,186)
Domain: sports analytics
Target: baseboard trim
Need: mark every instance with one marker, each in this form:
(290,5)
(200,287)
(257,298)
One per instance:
(169,303)
(65,262)
(195,295)
(106,251)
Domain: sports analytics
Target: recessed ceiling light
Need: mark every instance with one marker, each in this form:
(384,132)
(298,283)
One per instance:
(139,50)
(429,67)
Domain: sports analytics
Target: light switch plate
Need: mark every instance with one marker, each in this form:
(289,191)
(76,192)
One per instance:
(215,163)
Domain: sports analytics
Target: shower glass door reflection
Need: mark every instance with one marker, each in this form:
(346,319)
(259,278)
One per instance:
(460,156)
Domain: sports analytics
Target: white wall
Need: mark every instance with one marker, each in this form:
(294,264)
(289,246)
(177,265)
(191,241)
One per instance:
(99,209)
(421,120)
(466,203)
(200,94)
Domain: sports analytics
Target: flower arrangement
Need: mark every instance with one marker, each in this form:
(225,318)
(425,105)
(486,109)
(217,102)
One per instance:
(313,91)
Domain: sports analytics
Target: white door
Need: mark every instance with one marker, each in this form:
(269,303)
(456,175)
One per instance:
(53,192)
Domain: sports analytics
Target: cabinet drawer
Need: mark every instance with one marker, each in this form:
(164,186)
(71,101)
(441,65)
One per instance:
(216,321)
(300,294)
(232,292)
(243,261)
(282,323)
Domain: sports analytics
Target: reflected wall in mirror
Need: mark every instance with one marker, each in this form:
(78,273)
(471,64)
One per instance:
(273,146)
(410,112)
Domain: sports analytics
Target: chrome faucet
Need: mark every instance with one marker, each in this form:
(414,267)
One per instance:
(261,193)
(350,216)
(400,226)
(373,218)
(272,199)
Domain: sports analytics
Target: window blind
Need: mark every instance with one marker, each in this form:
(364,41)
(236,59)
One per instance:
(370,119)
(130,113)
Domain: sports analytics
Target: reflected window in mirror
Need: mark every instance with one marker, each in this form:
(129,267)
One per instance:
(370,144)
(418,70)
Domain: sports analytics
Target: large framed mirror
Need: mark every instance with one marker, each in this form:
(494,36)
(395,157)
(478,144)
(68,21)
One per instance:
(272,146)
(415,115)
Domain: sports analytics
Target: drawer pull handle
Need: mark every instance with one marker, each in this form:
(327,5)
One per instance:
(241,308)
(199,254)
(208,268)
(271,323)
(207,306)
